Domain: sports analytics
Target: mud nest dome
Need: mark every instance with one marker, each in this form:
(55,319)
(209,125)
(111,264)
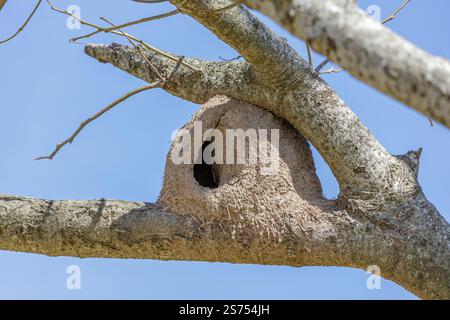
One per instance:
(242,189)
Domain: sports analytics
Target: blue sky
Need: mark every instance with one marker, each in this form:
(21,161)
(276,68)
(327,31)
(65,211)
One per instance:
(48,86)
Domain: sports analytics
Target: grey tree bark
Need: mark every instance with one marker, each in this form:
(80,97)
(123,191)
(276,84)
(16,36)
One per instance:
(381,216)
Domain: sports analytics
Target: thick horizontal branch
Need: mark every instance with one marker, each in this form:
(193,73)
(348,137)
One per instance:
(387,221)
(368,50)
(118,229)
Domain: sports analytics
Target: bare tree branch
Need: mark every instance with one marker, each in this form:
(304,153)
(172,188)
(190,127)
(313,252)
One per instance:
(2,3)
(128,24)
(390,18)
(230,6)
(161,78)
(381,217)
(396,12)
(123,34)
(310,55)
(369,51)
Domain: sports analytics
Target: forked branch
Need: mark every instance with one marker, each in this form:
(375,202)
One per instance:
(368,51)
(22,27)
(96,116)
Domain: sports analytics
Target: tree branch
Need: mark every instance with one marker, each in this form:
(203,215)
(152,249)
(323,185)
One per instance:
(119,229)
(22,27)
(381,217)
(281,218)
(390,18)
(218,78)
(98,228)
(121,33)
(369,51)
(95,117)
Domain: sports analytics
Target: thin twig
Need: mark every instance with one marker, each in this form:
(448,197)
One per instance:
(2,3)
(150,1)
(390,18)
(123,34)
(96,116)
(396,12)
(310,57)
(128,24)
(231,59)
(139,51)
(24,24)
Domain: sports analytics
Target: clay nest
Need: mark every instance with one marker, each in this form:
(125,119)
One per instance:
(243,195)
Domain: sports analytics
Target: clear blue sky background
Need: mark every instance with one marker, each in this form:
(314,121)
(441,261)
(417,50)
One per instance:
(48,86)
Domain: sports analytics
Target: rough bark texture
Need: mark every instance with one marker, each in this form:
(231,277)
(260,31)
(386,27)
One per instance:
(381,216)
(368,50)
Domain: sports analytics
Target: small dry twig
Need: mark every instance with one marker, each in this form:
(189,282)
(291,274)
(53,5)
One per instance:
(2,3)
(397,11)
(225,8)
(128,24)
(390,18)
(230,6)
(24,24)
(330,71)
